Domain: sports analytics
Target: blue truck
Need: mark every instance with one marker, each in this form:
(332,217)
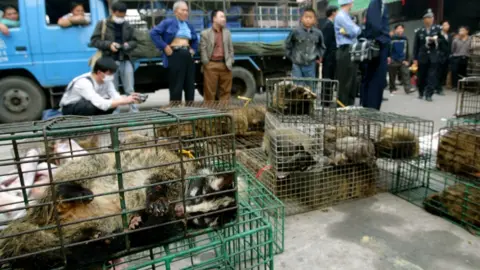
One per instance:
(38,59)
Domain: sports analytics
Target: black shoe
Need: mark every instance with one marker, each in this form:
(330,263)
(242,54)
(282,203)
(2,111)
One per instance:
(429,99)
(420,97)
(384,99)
(409,91)
(440,93)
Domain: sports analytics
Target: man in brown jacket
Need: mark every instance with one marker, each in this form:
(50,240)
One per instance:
(216,50)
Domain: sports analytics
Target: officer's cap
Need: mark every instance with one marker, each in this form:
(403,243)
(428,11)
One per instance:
(428,13)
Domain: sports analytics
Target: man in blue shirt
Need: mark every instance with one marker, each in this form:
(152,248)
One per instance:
(398,60)
(346,32)
(376,28)
(178,41)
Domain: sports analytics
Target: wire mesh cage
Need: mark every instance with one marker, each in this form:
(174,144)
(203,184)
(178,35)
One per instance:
(245,245)
(475,45)
(459,151)
(453,198)
(248,118)
(473,66)
(300,99)
(126,189)
(402,145)
(258,198)
(468,98)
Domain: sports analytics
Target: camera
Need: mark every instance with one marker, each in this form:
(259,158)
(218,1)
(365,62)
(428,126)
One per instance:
(142,97)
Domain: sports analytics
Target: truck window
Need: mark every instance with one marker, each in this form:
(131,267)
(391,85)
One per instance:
(10,17)
(67,13)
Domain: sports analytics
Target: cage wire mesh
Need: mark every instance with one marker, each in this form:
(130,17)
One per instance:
(259,199)
(247,244)
(248,118)
(473,66)
(468,98)
(475,45)
(311,166)
(300,99)
(95,186)
(402,145)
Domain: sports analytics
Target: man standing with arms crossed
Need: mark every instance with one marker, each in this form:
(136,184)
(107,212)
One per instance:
(216,51)
(346,32)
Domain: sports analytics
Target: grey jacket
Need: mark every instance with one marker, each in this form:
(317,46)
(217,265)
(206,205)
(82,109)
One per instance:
(104,45)
(207,43)
(303,47)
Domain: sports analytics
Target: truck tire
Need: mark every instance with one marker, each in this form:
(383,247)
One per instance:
(21,99)
(244,83)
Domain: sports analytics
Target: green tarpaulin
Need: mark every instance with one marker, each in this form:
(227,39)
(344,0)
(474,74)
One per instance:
(359,4)
(146,49)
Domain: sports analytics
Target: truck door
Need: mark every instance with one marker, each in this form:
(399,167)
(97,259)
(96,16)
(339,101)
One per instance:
(65,50)
(15,50)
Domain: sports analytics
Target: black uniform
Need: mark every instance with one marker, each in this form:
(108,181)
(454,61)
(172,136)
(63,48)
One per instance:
(427,55)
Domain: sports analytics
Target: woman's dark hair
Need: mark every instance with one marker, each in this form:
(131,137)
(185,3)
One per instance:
(331,10)
(75,5)
(105,64)
(5,8)
(214,13)
(119,6)
(464,27)
(399,25)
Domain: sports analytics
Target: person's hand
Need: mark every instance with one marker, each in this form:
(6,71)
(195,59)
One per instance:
(389,60)
(405,63)
(4,29)
(133,98)
(113,47)
(168,50)
(342,31)
(319,61)
(192,52)
(125,45)
(415,63)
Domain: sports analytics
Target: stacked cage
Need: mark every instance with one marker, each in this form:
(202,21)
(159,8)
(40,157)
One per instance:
(468,98)
(473,68)
(248,120)
(311,157)
(403,150)
(454,190)
(82,191)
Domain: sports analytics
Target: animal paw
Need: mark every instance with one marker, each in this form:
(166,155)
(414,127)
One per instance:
(158,207)
(135,222)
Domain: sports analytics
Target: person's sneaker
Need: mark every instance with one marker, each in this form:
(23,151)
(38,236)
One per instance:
(420,97)
(429,99)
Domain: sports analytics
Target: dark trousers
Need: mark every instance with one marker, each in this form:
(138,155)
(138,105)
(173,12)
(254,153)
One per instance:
(398,68)
(427,78)
(85,108)
(375,81)
(443,68)
(346,75)
(459,68)
(181,75)
(328,72)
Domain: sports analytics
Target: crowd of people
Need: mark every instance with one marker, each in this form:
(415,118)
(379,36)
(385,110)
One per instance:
(436,53)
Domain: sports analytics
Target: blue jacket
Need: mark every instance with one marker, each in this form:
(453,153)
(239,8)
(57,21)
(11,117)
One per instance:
(377,26)
(164,33)
(399,49)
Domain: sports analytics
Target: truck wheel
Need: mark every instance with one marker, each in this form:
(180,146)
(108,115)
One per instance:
(21,100)
(244,83)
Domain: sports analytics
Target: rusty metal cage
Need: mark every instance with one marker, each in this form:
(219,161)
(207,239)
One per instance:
(468,98)
(311,166)
(248,120)
(79,189)
(300,99)
(403,148)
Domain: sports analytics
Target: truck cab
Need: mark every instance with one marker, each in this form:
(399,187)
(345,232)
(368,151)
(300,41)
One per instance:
(39,58)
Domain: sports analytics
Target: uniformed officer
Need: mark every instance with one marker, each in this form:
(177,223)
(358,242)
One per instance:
(426,56)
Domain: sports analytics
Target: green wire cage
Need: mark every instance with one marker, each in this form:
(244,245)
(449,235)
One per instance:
(109,184)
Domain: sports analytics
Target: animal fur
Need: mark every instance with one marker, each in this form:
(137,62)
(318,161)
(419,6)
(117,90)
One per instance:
(156,202)
(458,151)
(351,149)
(290,149)
(459,202)
(397,143)
(291,99)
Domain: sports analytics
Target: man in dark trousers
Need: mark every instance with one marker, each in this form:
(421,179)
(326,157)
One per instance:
(329,57)
(426,56)
(346,33)
(398,60)
(445,48)
(376,28)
